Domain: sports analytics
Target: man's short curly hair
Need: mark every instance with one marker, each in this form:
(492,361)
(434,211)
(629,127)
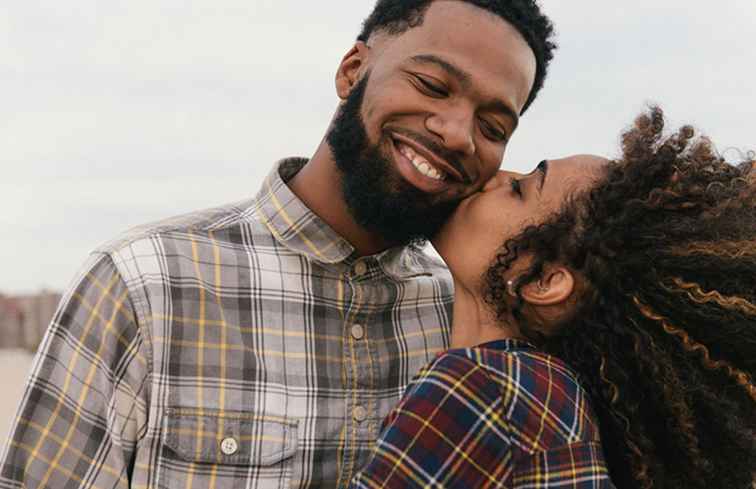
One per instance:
(397,16)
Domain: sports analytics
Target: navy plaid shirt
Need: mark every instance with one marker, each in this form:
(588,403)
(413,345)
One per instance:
(501,415)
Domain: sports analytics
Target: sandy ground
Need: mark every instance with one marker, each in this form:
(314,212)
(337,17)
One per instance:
(14,369)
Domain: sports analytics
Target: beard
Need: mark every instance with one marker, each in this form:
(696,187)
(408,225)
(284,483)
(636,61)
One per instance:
(378,198)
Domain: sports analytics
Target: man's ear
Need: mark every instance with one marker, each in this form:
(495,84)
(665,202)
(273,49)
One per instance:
(351,69)
(555,286)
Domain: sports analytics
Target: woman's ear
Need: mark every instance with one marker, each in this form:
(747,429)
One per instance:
(351,69)
(555,287)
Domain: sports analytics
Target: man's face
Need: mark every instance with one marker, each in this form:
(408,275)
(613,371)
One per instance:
(429,117)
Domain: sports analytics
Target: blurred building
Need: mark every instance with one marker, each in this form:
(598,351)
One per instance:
(24,318)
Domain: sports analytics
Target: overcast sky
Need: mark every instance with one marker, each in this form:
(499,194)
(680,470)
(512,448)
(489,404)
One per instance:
(117,113)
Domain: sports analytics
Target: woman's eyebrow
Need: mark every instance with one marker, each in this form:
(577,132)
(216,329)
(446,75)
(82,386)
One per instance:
(543,167)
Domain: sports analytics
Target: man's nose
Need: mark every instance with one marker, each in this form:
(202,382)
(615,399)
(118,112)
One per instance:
(455,128)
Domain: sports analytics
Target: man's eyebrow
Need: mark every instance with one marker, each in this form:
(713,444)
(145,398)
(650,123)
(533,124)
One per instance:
(461,75)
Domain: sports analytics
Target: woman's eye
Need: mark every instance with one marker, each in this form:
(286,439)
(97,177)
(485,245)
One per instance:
(516,187)
(434,89)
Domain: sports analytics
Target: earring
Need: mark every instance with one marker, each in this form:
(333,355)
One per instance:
(510,288)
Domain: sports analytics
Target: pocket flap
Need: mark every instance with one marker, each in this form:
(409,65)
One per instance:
(229,437)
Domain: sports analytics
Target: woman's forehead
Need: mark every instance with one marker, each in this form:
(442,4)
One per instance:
(574,172)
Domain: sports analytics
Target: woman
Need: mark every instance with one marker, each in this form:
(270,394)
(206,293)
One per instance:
(635,276)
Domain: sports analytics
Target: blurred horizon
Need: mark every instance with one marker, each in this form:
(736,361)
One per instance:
(117,114)
(15,365)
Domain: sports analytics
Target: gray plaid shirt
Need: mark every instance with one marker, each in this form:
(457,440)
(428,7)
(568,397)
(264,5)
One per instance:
(245,346)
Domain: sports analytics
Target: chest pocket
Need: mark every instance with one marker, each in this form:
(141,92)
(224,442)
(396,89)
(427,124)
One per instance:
(206,448)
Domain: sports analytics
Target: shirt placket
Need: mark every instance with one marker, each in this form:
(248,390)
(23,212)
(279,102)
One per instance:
(360,408)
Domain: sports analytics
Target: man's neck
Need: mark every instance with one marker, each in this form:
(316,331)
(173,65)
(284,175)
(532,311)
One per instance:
(318,186)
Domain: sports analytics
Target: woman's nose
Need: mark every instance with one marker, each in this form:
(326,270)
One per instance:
(501,177)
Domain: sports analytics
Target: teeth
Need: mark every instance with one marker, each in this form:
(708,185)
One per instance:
(408,152)
(421,163)
(426,169)
(436,174)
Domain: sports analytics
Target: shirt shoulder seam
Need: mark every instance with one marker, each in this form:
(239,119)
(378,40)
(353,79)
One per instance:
(142,313)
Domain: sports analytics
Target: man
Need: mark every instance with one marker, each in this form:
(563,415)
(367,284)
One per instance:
(261,344)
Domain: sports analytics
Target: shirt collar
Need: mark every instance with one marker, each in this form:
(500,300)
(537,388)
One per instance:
(300,230)
(293,224)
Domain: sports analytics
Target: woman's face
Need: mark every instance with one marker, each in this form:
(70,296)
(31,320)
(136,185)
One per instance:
(509,202)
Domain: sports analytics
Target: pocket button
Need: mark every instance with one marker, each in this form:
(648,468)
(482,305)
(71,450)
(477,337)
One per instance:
(229,446)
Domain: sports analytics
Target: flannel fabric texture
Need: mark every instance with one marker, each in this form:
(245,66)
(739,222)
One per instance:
(500,415)
(246,346)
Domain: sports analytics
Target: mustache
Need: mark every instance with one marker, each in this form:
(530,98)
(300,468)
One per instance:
(451,157)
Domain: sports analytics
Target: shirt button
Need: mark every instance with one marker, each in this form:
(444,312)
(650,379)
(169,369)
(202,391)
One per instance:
(360,268)
(358,332)
(360,414)
(229,446)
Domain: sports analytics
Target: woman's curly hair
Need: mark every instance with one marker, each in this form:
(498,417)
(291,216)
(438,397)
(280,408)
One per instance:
(664,334)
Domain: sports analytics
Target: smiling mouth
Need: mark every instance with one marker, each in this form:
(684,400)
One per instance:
(428,162)
(420,163)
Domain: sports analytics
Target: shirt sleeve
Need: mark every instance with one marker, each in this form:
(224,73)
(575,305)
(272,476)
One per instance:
(445,433)
(84,407)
